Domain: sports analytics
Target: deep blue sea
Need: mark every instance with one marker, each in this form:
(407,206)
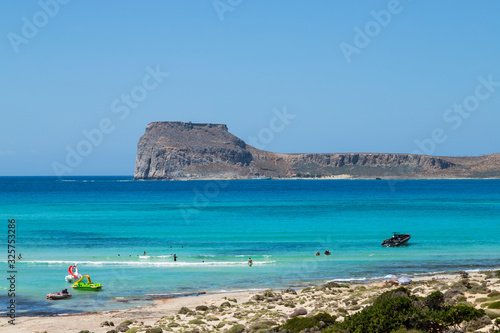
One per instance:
(104,224)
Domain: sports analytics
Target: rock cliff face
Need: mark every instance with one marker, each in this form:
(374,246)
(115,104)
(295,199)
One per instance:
(177,150)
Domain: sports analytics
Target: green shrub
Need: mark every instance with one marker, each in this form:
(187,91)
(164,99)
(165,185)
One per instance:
(154,330)
(238,328)
(269,293)
(132,330)
(326,318)
(399,292)
(184,311)
(298,324)
(494,293)
(435,301)
(454,315)
(201,308)
(223,323)
(397,309)
(196,322)
(494,305)
(471,287)
(386,315)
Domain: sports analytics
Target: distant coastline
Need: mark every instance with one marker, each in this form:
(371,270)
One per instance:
(187,151)
(311,178)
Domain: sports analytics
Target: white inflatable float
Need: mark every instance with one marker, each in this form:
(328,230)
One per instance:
(73,274)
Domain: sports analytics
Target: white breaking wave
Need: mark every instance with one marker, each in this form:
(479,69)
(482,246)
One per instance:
(151,263)
(344,280)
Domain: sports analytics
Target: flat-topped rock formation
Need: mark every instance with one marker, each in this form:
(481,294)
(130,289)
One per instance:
(178,150)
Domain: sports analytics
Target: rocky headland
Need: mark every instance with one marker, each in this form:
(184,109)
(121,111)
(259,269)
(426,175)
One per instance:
(178,150)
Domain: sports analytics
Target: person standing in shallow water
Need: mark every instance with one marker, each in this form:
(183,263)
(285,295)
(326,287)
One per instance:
(250,262)
(175,257)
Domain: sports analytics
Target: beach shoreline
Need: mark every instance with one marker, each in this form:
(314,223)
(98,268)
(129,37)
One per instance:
(221,311)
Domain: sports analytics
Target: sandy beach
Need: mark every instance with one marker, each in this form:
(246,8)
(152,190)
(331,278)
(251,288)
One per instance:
(255,311)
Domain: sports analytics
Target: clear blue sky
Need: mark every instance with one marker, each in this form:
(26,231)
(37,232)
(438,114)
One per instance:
(396,84)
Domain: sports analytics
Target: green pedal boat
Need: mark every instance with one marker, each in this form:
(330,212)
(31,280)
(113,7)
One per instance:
(86,286)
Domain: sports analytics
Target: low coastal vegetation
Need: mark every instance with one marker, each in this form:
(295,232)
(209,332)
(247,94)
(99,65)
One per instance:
(393,311)
(455,304)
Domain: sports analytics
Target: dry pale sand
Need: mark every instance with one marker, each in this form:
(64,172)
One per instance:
(254,310)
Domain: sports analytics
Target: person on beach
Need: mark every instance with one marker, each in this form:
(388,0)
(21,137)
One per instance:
(175,257)
(250,262)
(327,253)
(317,254)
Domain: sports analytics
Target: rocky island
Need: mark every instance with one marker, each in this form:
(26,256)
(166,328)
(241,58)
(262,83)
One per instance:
(179,150)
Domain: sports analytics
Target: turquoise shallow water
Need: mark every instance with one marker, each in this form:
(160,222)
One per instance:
(214,226)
